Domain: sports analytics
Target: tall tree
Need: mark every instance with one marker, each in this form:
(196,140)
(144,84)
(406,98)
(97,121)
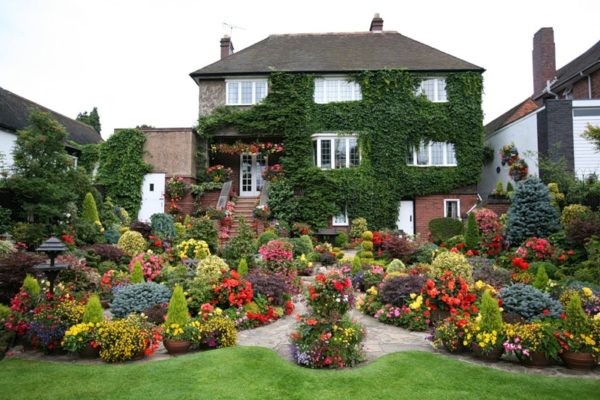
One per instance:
(44,180)
(92,119)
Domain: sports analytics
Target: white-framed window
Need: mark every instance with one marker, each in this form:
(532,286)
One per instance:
(73,160)
(434,89)
(331,151)
(328,90)
(244,92)
(432,154)
(452,208)
(341,219)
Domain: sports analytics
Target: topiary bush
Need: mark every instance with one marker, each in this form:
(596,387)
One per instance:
(395,266)
(243,267)
(93,310)
(541,278)
(177,312)
(211,267)
(138,297)
(272,286)
(397,291)
(529,302)
(472,236)
(31,285)
(132,243)
(341,239)
(442,229)
(491,316)
(531,212)
(302,245)
(550,268)
(576,320)
(89,211)
(163,226)
(137,275)
(453,262)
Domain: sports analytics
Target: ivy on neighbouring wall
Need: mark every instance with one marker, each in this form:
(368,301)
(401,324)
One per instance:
(122,168)
(388,120)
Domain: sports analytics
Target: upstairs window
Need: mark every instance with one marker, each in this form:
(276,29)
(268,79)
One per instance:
(328,90)
(440,154)
(434,89)
(245,92)
(331,151)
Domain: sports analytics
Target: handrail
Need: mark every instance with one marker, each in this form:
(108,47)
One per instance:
(264,194)
(224,195)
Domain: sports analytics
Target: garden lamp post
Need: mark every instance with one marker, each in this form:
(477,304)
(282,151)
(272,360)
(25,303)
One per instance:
(52,247)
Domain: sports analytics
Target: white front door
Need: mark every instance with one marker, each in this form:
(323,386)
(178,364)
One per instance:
(153,196)
(251,169)
(406,220)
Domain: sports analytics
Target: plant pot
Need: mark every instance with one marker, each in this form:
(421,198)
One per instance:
(89,352)
(492,355)
(576,360)
(138,356)
(536,359)
(455,347)
(177,346)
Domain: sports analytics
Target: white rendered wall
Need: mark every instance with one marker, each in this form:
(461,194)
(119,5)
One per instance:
(587,158)
(523,133)
(7,144)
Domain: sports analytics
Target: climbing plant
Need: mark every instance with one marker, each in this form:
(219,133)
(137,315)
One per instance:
(388,120)
(122,168)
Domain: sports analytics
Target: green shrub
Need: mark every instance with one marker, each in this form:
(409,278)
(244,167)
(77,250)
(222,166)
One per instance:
(367,245)
(138,297)
(531,212)
(89,212)
(132,243)
(356,265)
(109,215)
(6,247)
(541,278)
(395,266)
(93,310)
(211,267)
(203,229)
(243,267)
(302,245)
(529,302)
(31,285)
(453,262)
(366,254)
(472,236)
(576,320)
(367,236)
(137,275)
(574,211)
(265,238)
(357,227)
(178,310)
(31,234)
(491,316)
(5,220)
(5,311)
(509,188)
(550,268)
(443,229)
(163,226)
(241,246)
(341,239)
(424,253)
(499,188)
(455,241)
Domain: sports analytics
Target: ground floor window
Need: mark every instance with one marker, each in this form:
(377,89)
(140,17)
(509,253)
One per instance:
(341,219)
(452,208)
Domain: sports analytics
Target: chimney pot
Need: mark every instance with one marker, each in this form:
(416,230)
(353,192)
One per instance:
(226,46)
(376,24)
(544,59)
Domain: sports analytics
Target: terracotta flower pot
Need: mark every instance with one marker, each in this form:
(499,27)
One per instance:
(576,360)
(89,352)
(493,355)
(536,359)
(177,346)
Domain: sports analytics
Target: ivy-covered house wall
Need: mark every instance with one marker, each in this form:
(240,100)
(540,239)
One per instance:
(388,120)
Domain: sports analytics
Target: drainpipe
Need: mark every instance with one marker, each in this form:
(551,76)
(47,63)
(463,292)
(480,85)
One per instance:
(549,91)
(476,204)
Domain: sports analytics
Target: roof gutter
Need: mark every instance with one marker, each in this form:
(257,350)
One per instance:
(584,72)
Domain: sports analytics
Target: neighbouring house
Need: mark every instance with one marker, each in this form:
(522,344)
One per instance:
(371,124)
(550,122)
(14,115)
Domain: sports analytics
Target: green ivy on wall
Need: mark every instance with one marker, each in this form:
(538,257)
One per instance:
(388,120)
(122,168)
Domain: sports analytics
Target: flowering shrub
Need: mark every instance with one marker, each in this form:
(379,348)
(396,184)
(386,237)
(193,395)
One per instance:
(263,149)
(120,340)
(519,170)
(276,252)
(176,188)
(192,248)
(151,264)
(273,172)
(19,319)
(132,243)
(77,337)
(232,290)
(372,276)
(534,337)
(216,332)
(535,249)
(321,343)
(581,343)
(455,263)
(414,317)
(487,341)
(211,267)
(79,277)
(451,333)
(110,279)
(331,296)
(218,173)
(262,212)
(488,222)
(449,293)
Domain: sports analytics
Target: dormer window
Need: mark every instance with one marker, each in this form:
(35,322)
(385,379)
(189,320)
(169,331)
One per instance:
(329,90)
(434,89)
(245,92)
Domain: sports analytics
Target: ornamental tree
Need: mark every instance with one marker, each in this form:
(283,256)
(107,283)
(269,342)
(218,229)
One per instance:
(89,212)
(178,310)
(531,212)
(472,235)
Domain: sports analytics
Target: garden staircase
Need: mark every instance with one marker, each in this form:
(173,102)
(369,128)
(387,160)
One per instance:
(244,207)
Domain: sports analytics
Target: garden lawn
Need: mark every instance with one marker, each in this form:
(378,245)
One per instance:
(258,373)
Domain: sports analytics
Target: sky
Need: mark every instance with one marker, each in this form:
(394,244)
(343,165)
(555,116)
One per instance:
(132,58)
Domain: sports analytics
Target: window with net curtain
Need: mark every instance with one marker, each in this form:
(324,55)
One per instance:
(434,89)
(328,90)
(439,154)
(241,92)
(331,151)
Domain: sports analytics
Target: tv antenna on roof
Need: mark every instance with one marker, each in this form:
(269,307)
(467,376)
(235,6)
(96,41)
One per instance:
(231,27)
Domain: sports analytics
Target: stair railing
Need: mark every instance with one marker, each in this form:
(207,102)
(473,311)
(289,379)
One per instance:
(224,195)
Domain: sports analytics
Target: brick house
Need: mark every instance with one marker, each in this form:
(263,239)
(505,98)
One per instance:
(551,120)
(239,81)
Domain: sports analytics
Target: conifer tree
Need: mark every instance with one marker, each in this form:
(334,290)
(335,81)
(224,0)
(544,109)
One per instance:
(93,310)
(178,310)
(89,212)
(472,236)
(137,275)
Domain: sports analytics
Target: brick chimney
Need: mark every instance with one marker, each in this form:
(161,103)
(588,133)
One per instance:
(376,24)
(226,47)
(544,59)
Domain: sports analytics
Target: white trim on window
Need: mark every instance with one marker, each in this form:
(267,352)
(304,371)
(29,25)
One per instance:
(326,156)
(434,88)
(455,210)
(428,155)
(334,89)
(245,92)
(340,219)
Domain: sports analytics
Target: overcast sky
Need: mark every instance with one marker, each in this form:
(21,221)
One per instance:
(132,59)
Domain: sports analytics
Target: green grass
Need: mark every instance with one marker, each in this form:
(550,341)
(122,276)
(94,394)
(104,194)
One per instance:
(258,373)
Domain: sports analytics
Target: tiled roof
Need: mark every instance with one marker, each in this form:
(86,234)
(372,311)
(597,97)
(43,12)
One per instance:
(335,52)
(572,69)
(14,115)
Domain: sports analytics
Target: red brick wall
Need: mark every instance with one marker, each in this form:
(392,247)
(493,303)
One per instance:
(596,85)
(499,207)
(580,90)
(430,207)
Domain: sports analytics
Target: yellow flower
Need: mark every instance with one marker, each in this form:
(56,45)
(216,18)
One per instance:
(587,292)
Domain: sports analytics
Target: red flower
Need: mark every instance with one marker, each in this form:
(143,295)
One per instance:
(321,278)
(311,322)
(546,311)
